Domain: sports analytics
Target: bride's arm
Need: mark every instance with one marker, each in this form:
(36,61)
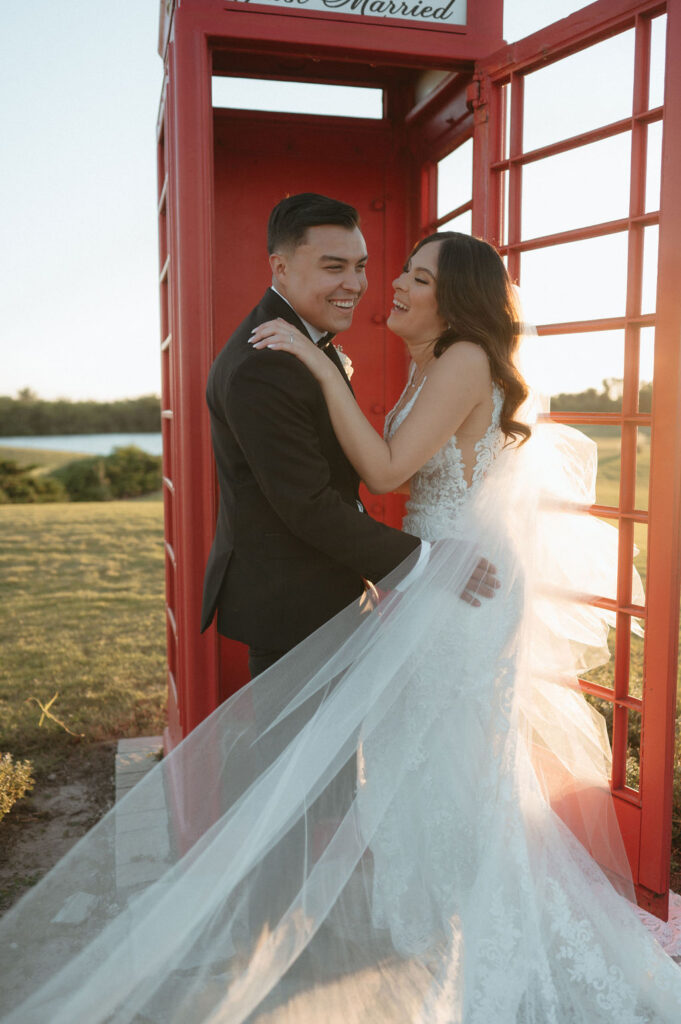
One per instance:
(456,383)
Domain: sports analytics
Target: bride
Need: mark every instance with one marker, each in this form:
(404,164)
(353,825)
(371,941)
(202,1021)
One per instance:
(419,827)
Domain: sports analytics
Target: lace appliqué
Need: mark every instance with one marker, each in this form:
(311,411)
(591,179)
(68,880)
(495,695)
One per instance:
(439,490)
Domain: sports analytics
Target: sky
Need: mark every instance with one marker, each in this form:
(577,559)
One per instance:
(80,84)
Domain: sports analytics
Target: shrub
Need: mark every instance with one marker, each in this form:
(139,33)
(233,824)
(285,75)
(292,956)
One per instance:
(15,782)
(85,479)
(18,486)
(132,472)
(127,473)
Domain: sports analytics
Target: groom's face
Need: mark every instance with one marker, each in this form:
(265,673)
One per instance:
(324,277)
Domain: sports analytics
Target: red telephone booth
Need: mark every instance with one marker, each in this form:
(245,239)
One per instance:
(449,149)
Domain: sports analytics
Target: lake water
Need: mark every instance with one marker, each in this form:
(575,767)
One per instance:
(86,444)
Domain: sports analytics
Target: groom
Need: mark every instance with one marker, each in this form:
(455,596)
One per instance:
(293,544)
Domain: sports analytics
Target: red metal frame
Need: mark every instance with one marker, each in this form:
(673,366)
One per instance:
(645,814)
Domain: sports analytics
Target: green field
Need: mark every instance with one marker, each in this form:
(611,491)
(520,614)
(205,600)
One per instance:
(81,615)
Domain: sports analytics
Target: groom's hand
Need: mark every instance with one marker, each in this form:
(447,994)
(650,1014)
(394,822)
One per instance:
(483,583)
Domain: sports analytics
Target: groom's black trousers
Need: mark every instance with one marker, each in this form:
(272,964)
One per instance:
(258,660)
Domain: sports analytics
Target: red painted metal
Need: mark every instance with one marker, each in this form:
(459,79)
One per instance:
(645,814)
(664,548)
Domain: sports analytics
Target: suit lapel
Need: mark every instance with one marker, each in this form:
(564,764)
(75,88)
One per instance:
(274,306)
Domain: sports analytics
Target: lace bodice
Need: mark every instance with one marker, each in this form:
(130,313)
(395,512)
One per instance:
(439,489)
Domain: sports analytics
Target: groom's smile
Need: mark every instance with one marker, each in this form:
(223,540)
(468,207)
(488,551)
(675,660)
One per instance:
(324,276)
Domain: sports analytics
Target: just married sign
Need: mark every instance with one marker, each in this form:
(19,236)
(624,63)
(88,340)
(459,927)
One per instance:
(443,12)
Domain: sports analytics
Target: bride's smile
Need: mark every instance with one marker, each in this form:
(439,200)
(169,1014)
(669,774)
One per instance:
(414,312)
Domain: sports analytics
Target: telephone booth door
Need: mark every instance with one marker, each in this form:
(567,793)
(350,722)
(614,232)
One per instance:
(587,219)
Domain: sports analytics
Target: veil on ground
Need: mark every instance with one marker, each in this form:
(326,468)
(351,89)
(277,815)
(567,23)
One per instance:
(381,826)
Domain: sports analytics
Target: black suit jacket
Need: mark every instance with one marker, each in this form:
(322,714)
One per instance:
(291,545)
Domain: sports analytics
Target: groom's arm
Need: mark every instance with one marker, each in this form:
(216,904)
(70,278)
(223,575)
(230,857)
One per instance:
(274,410)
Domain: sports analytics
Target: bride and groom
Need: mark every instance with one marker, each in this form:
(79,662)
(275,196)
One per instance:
(293,544)
(405,816)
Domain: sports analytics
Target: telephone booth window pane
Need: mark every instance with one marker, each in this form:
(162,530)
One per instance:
(651,237)
(642,467)
(654,166)
(588,185)
(604,675)
(658,41)
(636,667)
(633,749)
(582,280)
(604,708)
(646,367)
(566,366)
(641,543)
(608,443)
(590,88)
(455,179)
(297,97)
(462,223)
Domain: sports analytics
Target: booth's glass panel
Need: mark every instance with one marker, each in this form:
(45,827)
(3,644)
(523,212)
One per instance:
(651,237)
(455,179)
(646,366)
(658,40)
(641,551)
(571,369)
(462,223)
(576,281)
(297,97)
(654,166)
(633,749)
(642,468)
(588,185)
(586,90)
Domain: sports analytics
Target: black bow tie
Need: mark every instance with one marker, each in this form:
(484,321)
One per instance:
(325,340)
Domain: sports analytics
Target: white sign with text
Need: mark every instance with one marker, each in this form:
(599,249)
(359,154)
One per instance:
(442,12)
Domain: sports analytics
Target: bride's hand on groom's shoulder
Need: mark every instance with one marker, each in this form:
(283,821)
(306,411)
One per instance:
(279,335)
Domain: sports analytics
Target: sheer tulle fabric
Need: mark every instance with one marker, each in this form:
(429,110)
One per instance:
(382,826)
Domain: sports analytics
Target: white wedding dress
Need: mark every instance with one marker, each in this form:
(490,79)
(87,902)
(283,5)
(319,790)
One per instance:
(393,841)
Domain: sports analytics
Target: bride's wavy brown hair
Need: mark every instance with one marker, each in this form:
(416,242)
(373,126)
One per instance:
(476,298)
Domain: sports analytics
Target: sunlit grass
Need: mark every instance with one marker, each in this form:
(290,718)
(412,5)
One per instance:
(82,615)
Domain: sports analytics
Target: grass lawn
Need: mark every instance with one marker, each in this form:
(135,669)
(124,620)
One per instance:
(81,615)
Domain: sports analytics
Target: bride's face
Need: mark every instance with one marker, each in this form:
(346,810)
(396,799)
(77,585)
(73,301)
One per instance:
(414,314)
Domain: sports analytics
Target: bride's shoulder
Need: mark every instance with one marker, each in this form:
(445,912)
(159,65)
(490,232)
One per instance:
(464,358)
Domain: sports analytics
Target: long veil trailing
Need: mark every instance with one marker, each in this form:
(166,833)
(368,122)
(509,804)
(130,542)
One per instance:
(382,826)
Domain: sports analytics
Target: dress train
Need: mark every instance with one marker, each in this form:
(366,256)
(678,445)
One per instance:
(383,826)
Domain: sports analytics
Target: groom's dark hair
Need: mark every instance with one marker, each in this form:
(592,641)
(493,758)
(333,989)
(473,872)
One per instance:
(291,218)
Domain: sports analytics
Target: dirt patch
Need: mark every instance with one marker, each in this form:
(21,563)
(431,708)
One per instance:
(60,809)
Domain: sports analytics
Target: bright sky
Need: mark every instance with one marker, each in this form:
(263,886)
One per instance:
(80,83)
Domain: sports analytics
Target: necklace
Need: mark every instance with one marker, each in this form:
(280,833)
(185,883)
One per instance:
(416,379)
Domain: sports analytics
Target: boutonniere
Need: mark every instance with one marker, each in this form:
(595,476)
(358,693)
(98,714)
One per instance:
(346,361)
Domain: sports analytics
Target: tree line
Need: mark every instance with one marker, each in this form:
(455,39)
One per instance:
(609,399)
(27,415)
